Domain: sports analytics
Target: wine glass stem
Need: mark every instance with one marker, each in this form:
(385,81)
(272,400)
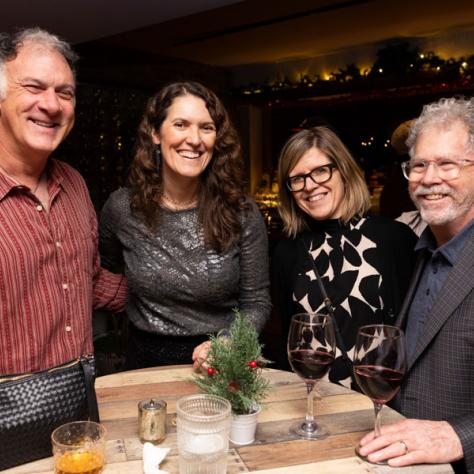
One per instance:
(377,410)
(310,409)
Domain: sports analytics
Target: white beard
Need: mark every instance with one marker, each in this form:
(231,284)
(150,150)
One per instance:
(459,205)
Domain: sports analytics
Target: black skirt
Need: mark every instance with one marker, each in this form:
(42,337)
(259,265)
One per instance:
(146,349)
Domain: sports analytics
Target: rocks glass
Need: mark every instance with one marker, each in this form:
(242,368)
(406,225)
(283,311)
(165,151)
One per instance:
(79,448)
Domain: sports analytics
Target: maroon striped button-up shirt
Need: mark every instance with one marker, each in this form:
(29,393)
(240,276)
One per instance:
(50,273)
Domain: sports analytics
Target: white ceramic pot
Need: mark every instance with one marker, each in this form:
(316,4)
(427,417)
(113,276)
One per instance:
(243,427)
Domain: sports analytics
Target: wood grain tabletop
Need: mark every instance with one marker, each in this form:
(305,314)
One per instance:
(347,414)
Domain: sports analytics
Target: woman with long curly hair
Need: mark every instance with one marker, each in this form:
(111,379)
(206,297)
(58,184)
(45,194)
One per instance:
(192,245)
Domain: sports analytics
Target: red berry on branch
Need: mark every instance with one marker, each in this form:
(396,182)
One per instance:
(211,371)
(252,364)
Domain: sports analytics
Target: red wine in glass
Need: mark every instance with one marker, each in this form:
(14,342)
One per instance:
(378,383)
(311,351)
(379,366)
(309,364)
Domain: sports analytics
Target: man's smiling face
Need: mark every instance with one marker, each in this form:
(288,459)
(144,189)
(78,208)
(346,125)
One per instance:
(37,112)
(442,203)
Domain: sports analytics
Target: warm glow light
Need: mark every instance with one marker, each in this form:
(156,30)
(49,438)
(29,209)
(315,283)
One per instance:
(303,74)
(305,79)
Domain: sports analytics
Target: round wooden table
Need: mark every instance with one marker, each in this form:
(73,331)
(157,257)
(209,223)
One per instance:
(347,414)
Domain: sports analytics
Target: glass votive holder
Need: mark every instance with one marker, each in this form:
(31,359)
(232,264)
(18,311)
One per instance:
(79,448)
(152,421)
(203,425)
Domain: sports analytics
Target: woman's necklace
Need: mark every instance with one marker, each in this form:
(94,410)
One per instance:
(178,205)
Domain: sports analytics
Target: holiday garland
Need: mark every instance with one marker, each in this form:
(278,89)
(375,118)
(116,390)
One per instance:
(234,367)
(398,65)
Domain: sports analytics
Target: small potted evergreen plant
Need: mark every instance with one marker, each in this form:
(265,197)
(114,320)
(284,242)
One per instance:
(234,371)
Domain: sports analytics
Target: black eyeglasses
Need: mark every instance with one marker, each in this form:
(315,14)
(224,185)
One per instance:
(319,175)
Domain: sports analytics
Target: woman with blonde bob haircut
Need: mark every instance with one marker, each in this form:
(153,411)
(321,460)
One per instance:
(356,199)
(364,262)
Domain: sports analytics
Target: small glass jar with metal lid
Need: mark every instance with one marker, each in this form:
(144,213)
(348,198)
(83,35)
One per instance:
(152,421)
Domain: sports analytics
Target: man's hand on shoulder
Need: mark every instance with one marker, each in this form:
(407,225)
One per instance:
(413,442)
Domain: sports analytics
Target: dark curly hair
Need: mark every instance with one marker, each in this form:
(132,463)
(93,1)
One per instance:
(221,193)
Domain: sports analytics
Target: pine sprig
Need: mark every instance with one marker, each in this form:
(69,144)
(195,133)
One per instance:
(236,364)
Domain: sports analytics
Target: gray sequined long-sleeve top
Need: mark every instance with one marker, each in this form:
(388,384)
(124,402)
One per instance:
(176,286)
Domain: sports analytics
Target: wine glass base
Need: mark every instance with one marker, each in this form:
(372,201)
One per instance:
(313,432)
(364,458)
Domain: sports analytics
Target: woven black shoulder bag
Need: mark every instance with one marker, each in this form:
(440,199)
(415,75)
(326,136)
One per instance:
(33,405)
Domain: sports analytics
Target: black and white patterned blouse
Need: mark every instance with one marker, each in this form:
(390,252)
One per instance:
(365,267)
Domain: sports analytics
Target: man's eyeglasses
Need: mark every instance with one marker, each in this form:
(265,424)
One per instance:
(319,175)
(446,169)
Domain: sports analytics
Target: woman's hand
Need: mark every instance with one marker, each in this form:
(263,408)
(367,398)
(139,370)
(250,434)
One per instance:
(200,355)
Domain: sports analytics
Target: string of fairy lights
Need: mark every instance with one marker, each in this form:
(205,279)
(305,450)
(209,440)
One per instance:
(371,142)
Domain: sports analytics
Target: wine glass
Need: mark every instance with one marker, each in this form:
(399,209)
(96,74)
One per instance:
(379,366)
(311,351)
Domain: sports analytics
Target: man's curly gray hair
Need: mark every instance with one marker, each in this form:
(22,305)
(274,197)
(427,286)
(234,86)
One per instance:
(11,43)
(444,113)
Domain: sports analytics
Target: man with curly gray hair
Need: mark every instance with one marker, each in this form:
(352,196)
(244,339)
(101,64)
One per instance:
(437,393)
(50,273)
(10,44)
